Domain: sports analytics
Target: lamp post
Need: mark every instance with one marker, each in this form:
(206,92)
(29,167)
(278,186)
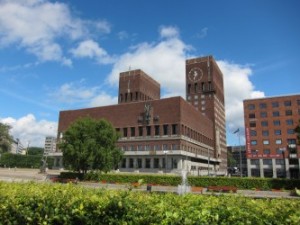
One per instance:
(208,159)
(240,150)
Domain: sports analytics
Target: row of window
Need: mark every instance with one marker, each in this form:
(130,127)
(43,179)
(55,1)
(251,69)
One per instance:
(267,161)
(156,163)
(277,141)
(166,129)
(274,114)
(266,133)
(129,97)
(150,147)
(265,123)
(274,104)
(195,89)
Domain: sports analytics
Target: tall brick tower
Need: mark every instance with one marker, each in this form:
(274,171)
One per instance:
(205,91)
(137,86)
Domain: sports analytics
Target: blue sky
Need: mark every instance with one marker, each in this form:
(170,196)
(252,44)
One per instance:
(57,55)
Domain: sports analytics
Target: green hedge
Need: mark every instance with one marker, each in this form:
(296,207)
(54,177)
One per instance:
(23,161)
(37,203)
(173,180)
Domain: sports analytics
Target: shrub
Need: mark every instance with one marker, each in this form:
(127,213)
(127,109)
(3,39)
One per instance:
(36,203)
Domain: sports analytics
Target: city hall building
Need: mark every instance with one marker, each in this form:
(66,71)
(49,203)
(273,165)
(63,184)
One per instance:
(171,134)
(271,141)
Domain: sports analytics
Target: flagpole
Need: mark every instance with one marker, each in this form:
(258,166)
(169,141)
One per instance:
(241,169)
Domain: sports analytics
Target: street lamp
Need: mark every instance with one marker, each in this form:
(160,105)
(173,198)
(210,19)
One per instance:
(208,155)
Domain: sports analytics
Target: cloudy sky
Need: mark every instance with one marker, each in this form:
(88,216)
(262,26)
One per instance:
(58,55)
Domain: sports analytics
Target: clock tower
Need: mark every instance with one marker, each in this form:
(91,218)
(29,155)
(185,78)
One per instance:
(205,91)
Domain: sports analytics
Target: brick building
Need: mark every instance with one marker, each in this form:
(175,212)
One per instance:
(171,134)
(271,148)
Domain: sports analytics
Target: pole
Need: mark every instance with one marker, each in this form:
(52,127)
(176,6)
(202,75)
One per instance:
(208,155)
(284,166)
(241,169)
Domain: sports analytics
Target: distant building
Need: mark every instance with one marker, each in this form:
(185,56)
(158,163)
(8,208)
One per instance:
(271,148)
(171,134)
(238,154)
(50,145)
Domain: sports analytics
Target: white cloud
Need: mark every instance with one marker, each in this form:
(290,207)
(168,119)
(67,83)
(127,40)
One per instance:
(103,99)
(203,33)
(37,25)
(28,129)
(164,61)
(238,87)
(169,32)
(91,49)
(74,92)
(123,35)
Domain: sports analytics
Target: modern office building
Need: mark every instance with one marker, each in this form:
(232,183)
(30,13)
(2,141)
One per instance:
(271,142)
(171,134)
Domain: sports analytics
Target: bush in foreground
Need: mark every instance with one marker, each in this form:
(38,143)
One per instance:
(33,203)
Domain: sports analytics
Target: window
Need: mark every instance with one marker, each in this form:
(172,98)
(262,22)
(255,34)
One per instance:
(253,142)
(203,86)
(263,114)
(289,122)
(279,161)
(276,122)
(131,163)
(139,163)
(291,141)
(124,132)
(290,131)
(148,130)
(196,97)
(156,147)
(148,148)
(148,163)
(252,124)
(252,115)
(121,98)
(165,129)
(189,88)
(265,133)
(164,147)
(267,161)
(156,130)
(276,113)
(196,87)
(251,106)
(277,132)
(140,131)
(262,105)
(264,123)
(266,151)
(287,103)
(275,104)
(266,142)
(253,133)
(298,101)
(174,147)
(254,152)
(288,112)
(132,131)
(140,148)
(279,151)
(156,163)
(174,129)
(278,141)
(254,161)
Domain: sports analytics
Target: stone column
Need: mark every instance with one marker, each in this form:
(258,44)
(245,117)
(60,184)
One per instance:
(274,168)
(249,167)
(261,168)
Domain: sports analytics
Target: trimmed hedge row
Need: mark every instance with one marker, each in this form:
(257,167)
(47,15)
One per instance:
(36,203)
(173,180)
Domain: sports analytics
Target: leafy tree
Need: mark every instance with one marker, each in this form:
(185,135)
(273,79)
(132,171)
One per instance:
(5,138)
(35,151)
(90,144)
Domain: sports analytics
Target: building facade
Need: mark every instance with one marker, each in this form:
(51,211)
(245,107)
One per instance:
(238,154)
(271,142)
(167,135)
(50,145)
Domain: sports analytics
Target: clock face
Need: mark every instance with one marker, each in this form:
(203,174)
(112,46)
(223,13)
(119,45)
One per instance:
(195,74)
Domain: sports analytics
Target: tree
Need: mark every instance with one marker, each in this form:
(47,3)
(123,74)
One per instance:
(35,151)
(90,144)
(5,138)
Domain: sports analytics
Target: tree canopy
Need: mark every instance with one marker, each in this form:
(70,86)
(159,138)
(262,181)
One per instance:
(90,144)
(5,138)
